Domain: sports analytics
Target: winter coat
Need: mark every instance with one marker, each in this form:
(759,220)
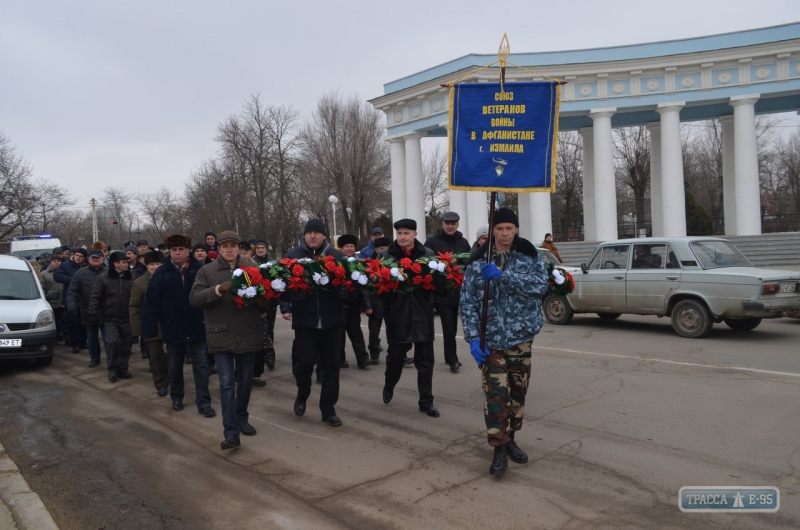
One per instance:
(321,310)
(80,291)
(515,301)
(549,245)
(63,275)
(440,242)
(138,270)
(49,284)
(368,252)
(409,317)
(228,328)
(137,303)
(166,305)
(111,297)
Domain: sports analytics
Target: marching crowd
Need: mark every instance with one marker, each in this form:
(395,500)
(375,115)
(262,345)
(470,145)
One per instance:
(174,301)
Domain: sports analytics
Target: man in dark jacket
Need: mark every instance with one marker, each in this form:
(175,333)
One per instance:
(354,302)
(448,239)
(109,306)
(369,251)
(267,353)
(166,304)
(409,321)
(80,291)
(317,320)
(134,265)
(211,241)
(375,321)
(233,335)
(63,275)
(158,358)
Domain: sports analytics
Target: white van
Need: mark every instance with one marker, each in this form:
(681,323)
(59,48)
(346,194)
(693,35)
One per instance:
(31,247)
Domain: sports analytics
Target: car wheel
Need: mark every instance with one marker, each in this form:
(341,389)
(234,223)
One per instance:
(691,319)
(742,324)
(557,310)
(609,316)
(44,361)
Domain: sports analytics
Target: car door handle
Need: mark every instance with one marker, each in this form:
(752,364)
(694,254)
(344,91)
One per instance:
(619,277)
(673,278)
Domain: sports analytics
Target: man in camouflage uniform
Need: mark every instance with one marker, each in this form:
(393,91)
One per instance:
(518,280)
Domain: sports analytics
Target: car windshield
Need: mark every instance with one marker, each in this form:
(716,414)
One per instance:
(717,254)
(32,253)
(548,256)
(17,285)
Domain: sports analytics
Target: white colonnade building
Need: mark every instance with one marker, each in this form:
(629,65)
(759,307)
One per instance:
(730,77)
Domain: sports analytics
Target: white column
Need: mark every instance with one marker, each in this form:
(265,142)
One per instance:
(415,200)
(525,221)
(748,192)
(398,150)
(656,211)
(589,219)
(605,189)
(728,175)
(541,219)
(477,211)
(458,204)
(673,195)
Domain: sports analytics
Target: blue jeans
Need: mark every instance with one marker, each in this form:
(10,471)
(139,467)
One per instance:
(198,350)
(94,342)
(235,372)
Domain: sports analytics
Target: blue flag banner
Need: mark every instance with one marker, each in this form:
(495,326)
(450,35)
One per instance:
(504,140)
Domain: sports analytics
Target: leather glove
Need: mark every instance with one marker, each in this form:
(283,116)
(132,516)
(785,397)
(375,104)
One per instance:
(225,288)
(489,271)
(478,354)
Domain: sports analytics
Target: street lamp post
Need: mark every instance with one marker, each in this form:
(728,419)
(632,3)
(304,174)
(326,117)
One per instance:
(333,200)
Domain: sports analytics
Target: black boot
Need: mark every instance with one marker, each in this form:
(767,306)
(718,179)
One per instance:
(515,453)
(499,462)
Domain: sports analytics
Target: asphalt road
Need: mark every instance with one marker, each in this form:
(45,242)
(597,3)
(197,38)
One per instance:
(620,416)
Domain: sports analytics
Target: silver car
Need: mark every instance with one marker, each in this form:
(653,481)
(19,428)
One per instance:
(696,281)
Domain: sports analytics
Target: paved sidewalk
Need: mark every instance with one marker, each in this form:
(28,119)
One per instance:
(20,508)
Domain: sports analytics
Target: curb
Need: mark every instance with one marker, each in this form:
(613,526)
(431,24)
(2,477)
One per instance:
(20,508)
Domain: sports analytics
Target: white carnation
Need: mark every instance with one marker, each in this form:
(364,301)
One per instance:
(278,285)
(238,272)
(442,267)
(324,280)
(434,265)
(316,277)
(251,291)
(355,276)
(560,279)
(363,279)
(351,259)
(395,272)
(241,292)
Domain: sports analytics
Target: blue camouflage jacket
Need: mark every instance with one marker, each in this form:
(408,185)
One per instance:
(515,301)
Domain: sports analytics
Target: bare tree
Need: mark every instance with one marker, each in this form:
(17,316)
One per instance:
(567,201)
(632,161)
(162,212)
(434,181)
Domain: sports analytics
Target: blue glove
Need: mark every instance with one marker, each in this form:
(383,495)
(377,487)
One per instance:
(478,354)
(489,271)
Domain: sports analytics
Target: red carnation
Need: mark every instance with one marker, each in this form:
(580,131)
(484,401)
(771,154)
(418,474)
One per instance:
(427,279)
(331,266)
(416,269)
(298,270)
(405,263)
(239,302)
(417,280)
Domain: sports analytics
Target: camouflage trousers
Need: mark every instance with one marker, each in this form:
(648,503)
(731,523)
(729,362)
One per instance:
(505,382)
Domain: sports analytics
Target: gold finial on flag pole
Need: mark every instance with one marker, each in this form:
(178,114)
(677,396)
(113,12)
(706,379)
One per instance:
(502,54)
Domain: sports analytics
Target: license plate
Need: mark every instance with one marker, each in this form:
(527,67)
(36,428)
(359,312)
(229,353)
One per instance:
(10,343)
(790,287)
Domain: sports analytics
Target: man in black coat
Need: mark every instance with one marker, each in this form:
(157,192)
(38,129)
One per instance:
(448,239)
(354,302)
(80,291)
(166,303)
(63,275)
(109,306)
(317,320)
(409,320)
(375,321)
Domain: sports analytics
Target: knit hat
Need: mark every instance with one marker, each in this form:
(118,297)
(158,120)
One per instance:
(178,240)
(505,215)
(210,234)
(142,242)
(315,225)
(261,242)
(152,256)
(161,246)
(81,251)
(199,245)
(227,235)
(133,249)
(548,234)
(406,223)
(482,231)
(213,254)
(245,245)
(116,256)
(346,239)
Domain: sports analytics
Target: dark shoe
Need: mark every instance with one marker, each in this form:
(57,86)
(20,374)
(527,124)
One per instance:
(212,370)
(270,363)
(344,364)
(208,412)
(515,453)
(408,361)
(112,376)
(376,362)
(333,420)
(145,356)
(177,406)
(124,374)
(364,365)
(75,349)
(430,411)
(319,380)
(388,393)
(454,367)
(258,382)
(247,429)
(92,364)
(188,360)
(299,407)
(162,391)
(499,462)
(230,442)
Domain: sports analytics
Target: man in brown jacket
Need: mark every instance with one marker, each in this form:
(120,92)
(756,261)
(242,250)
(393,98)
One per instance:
(234,336)
(158,359)
(549,245)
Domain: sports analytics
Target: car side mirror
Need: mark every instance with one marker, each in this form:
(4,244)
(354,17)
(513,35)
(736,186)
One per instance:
(52,296)
(584,269)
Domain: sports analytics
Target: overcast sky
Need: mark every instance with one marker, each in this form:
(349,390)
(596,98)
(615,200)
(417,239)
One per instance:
(105,93)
